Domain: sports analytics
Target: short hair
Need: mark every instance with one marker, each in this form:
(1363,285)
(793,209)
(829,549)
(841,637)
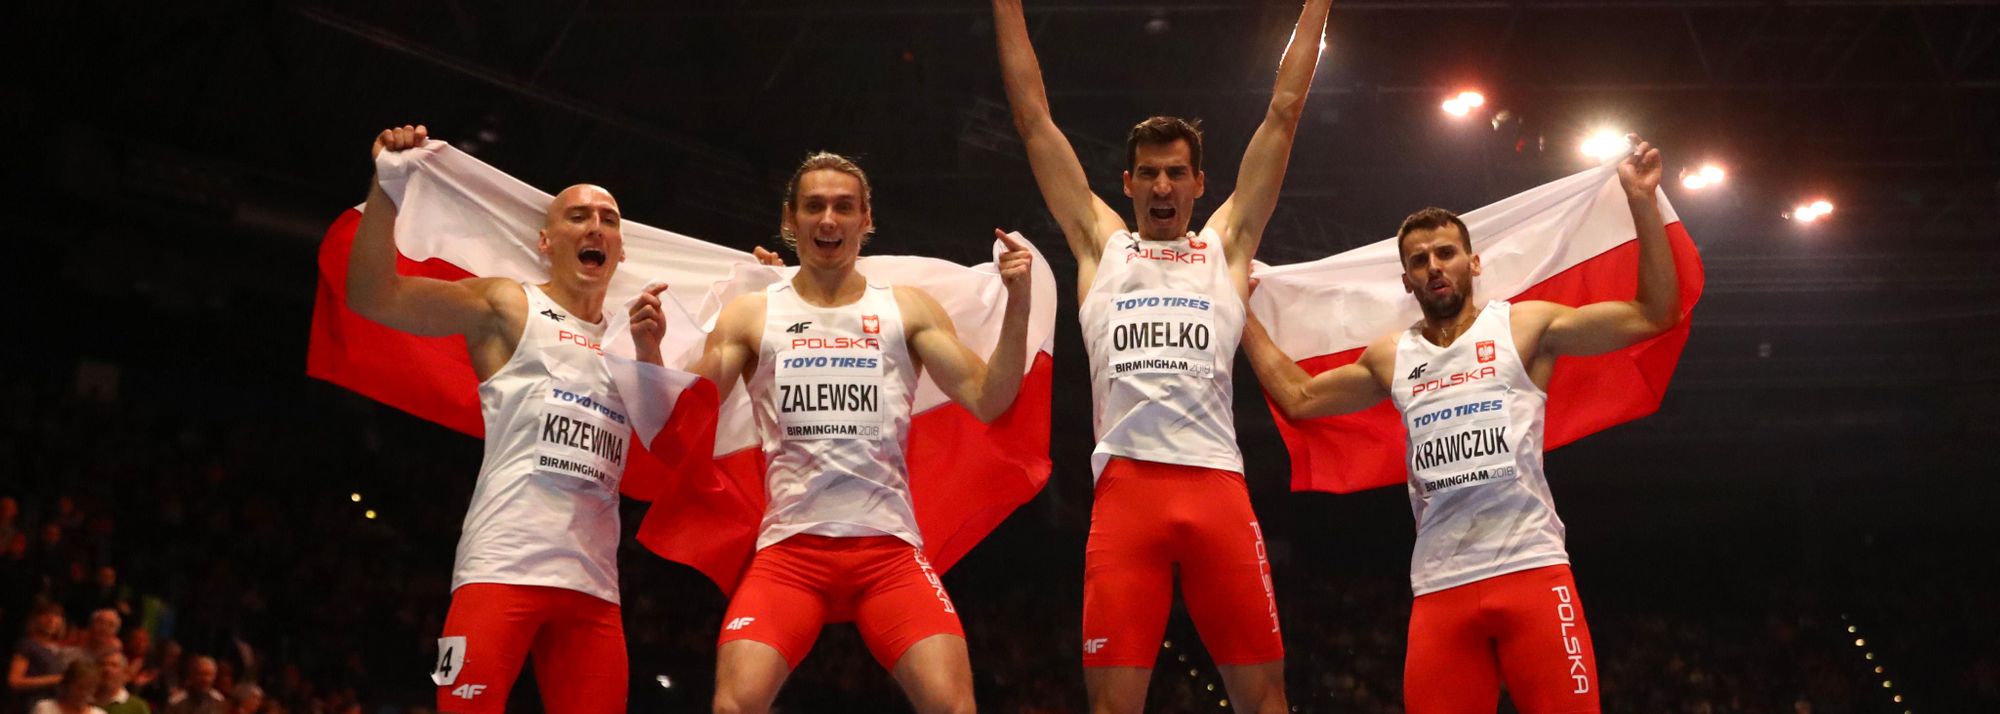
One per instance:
(79,669)
(1431,218)
(1161,131)
(822,161)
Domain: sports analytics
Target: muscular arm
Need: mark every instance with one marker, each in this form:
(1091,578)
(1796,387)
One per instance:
(1085,219)
(1605,326)
(1242,217)
(732,348)
(1341,390)
(417,305)
(984,387)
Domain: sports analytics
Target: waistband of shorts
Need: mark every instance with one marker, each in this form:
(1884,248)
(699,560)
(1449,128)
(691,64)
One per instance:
(811,541)
(1122,467)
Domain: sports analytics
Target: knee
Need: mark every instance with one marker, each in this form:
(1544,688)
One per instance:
(727,703)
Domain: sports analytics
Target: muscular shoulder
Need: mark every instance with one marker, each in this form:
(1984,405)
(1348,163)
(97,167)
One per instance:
(919,309)
(1379,357)
(743,316)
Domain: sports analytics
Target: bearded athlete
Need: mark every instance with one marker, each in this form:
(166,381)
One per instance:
(831,360)
(1495,600)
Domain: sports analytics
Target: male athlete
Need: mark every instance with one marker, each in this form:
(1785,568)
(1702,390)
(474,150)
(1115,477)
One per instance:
(831,361)
(1494,597)
(1162,310)
(537,567)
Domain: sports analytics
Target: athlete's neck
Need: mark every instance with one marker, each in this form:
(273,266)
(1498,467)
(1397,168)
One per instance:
(829,288)
(583,301)
(1442,330)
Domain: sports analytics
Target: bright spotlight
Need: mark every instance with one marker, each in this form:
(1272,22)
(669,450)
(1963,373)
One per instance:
(1809,212)
(1605,145)
(1694,182)
(1712,173)
(355,497)
(370,514)
(1456,108)
(1822,207)
(1472,99)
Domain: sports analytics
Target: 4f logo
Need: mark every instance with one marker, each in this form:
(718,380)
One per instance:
(468,691)
(1418,373)
(552,314)
(1093,645)
(799,327)
(871,324)
(1485,350)
(739,623)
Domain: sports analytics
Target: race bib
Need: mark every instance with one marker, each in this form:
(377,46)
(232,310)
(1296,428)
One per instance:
(829,394)
(581,436)
(1461,444)
(451,660)
(1162,332)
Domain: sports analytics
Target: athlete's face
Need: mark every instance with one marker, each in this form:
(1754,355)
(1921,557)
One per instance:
(582,236)
(1438,268)
(829,219)
(1163,185)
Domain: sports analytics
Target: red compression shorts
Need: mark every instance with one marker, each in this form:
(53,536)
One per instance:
(884,585)
(1524,627)
(578,642)
(1149,517)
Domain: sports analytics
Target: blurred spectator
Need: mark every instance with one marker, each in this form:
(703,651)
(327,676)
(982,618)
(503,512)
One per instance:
(246,698)
(74,693)
(111,693)
(40,658)
(139,665)
(198,695)
(102,592)
(101,638)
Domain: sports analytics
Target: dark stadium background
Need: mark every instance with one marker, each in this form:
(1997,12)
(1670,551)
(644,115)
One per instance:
(1825,458)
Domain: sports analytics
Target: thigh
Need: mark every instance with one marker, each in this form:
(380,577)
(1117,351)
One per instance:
(1128,577)
(779,603)
(1450,666)
(580,660)
(899,602)
(936,674)
(1226,576)
(487,635)
(1544,642)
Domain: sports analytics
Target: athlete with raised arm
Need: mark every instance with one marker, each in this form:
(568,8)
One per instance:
(1495,600)
(537,567)
(1162,310)
(831,361)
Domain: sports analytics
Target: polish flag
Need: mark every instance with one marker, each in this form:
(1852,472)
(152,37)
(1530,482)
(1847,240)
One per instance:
(702,467)
(1570,241)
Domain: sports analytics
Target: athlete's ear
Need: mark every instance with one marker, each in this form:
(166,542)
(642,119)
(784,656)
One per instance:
(1127,183)
(1475,264)
(1410,287)
(542,242)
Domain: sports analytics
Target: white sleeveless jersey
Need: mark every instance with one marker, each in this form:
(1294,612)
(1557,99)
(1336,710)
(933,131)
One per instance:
(1475,422)
(545,509)
(833,392)
(1161,322)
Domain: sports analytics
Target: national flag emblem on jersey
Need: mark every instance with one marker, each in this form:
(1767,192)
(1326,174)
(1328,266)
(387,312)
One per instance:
(701,466)
(871,324)
(1570,241)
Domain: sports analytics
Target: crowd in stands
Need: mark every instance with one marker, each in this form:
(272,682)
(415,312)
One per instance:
(293,556)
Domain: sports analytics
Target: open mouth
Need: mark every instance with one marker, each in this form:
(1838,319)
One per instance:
(827,241)
(1162,213)
(1439,287)
(591,257)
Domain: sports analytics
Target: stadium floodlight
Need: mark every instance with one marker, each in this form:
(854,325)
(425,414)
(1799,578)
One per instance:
(1605,145)
(1463,104)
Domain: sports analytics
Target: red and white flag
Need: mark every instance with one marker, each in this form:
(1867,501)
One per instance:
(702,467)
(1570,241)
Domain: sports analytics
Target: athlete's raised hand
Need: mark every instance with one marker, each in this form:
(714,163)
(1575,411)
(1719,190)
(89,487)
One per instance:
(649,325)
(1016,264)
(767,257)
(1640,172)
(399,138)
